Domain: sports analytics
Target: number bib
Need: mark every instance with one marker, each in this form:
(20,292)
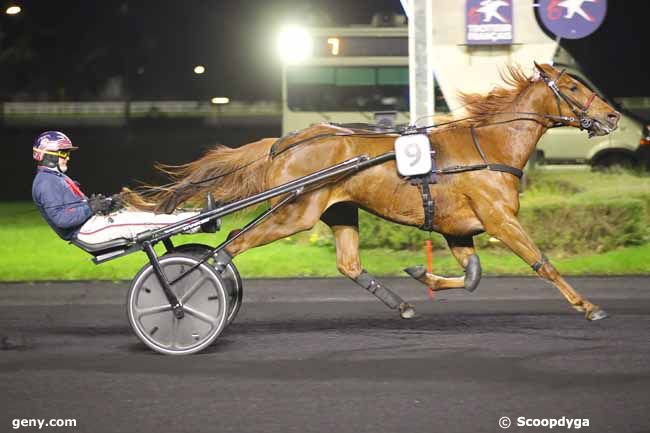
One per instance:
(413,154)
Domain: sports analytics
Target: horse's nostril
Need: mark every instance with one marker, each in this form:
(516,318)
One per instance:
(614,117)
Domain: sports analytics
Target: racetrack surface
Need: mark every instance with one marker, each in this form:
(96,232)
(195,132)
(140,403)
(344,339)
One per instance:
(320,355)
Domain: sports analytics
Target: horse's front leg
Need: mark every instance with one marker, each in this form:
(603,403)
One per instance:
(463,250)
(503,224)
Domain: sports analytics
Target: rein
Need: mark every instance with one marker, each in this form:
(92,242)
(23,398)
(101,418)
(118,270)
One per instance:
(413,129)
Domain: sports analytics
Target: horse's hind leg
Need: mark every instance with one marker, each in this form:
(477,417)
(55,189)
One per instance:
(343,220)
(462,247)
(295,217)
(463,250)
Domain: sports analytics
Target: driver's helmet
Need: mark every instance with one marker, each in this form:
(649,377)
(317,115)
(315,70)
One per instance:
(53,143)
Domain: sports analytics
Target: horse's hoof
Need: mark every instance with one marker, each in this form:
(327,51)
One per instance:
(406,311)
(473,273)
(597,315)
(416,272)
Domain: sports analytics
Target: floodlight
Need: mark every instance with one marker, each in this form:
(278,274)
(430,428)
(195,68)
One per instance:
(199,69)
(220,100)
(13,10)
(294,44)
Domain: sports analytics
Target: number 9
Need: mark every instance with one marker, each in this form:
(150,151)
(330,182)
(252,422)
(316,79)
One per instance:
(413,151)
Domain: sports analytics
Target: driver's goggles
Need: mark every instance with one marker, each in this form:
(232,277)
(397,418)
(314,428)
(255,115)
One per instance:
(64,154)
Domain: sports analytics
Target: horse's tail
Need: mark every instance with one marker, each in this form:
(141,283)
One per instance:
(229,174)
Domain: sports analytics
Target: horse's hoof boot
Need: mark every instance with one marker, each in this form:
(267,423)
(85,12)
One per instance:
(597,315)
(416,272)
(406,311)
(473,273)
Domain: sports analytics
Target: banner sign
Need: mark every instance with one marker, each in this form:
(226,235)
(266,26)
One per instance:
(488,22)
(572,19)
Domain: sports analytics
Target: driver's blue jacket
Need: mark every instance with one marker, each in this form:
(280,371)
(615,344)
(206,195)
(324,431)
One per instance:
(60,201)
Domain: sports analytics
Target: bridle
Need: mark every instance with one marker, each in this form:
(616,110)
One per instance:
(580,111)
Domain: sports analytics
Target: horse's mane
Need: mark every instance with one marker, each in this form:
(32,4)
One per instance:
(498,99)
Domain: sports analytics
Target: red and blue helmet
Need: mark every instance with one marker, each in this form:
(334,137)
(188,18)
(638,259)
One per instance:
(51,143)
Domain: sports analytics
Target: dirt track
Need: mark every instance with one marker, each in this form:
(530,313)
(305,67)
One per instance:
(319,356)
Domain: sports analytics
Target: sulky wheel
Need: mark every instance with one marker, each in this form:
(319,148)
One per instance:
(202,293)
(228,273)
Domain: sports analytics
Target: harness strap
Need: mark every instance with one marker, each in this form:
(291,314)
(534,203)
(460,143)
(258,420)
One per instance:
(506,169)
(427,199)
(492,167)
(478,147)
(276,150)
(556,92)
(279,141)
(427,203)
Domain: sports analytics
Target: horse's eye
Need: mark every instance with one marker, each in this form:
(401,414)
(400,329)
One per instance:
(574,88)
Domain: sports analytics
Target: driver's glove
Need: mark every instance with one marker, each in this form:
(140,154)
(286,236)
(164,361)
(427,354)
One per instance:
(116,202)
(99,204)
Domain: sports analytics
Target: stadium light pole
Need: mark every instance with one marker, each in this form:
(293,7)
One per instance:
(421,76)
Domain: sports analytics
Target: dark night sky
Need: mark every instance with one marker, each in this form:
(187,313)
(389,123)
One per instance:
(68,49)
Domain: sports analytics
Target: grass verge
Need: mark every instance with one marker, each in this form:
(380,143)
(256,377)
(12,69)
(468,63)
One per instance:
(31,251)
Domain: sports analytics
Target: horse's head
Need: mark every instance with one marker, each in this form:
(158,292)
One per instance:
(572,103)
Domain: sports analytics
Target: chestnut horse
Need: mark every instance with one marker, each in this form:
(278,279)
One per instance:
(502,131)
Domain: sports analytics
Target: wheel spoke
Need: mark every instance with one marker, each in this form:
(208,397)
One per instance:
(192,290)
(174,332)
(141,312)
(199,315)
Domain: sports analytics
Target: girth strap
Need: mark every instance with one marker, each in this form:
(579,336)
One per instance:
(427,203)
(506,169)
(493,167)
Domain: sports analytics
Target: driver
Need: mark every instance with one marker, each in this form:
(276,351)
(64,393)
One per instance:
(73,215)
